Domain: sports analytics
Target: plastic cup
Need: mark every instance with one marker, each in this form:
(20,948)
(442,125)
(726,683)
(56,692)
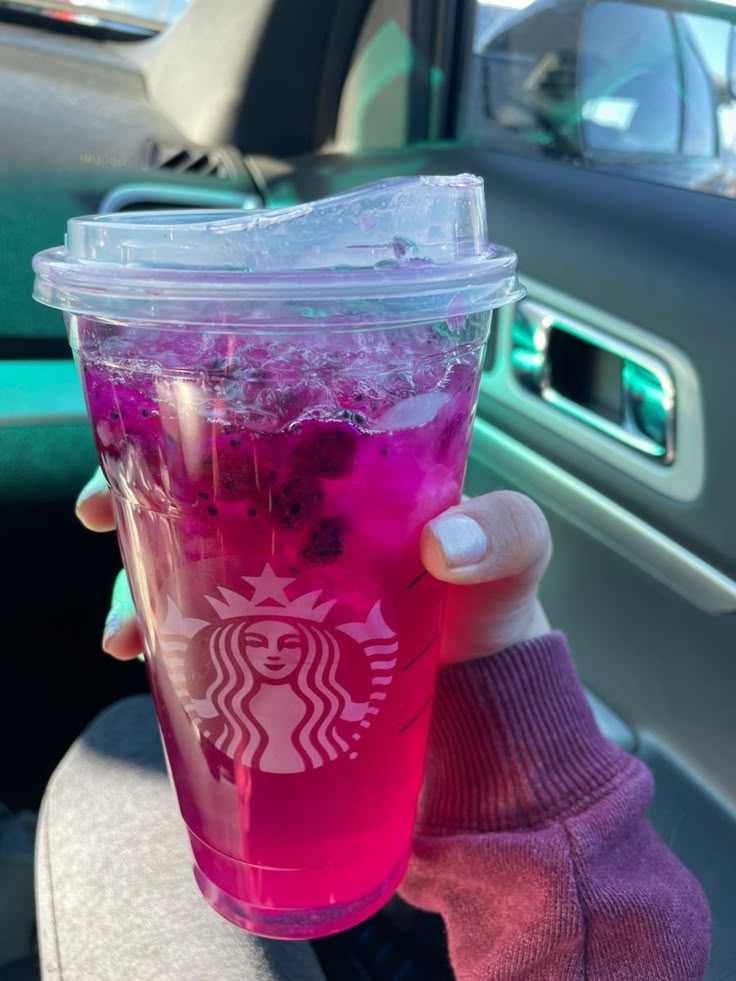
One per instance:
(280,402)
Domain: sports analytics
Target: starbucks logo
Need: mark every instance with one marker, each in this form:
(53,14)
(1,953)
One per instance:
(264,678)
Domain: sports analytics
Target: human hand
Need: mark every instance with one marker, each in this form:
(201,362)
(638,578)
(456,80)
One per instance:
(122,635)
(492,550)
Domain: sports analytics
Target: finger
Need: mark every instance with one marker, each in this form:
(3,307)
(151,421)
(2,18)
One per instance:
(493,551)
(94,504)
(122,636)
(500,536)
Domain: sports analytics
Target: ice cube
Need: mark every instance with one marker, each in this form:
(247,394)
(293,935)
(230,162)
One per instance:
(413,412)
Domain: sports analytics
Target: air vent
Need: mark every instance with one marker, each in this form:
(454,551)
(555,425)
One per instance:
(190,160)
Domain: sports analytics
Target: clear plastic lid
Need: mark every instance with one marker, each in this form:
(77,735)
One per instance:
(396,251)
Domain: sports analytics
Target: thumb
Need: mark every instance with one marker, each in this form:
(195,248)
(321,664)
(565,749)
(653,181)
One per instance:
(493,551)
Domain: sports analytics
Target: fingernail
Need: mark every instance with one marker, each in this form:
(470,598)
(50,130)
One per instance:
(94,485)
(462,539)
(113,623)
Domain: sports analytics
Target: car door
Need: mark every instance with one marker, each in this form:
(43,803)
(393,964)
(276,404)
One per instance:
(607,396)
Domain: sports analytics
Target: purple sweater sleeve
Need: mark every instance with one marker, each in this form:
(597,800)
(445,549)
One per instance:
(532,841)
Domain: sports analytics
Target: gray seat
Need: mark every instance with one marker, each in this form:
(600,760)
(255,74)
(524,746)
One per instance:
(115,895)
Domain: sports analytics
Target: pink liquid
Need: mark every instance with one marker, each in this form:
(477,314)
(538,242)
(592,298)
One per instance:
(271,536)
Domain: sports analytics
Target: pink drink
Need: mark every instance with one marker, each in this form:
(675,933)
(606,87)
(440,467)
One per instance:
(276,437)
(298,781)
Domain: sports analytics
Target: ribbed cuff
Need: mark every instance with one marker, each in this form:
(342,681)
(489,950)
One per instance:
(514,743)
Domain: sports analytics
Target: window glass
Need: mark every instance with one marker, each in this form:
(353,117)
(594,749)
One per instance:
(634,88)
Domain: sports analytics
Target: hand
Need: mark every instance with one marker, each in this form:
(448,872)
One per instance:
(122,635)
(492,550)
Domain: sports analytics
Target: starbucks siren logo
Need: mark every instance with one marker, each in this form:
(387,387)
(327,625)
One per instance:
(275,702)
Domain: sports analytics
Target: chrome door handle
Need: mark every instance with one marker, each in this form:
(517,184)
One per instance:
(617,389)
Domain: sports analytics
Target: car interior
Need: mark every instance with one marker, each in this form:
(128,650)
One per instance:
(603,396)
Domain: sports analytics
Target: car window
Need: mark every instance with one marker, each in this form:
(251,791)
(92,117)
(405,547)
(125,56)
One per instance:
(639,89)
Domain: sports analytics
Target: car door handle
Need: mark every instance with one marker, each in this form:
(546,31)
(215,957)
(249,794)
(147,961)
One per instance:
(610,385)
